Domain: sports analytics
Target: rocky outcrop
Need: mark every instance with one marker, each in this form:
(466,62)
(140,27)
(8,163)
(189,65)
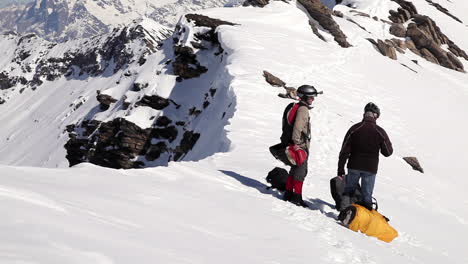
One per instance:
(414,163)
(167,131)
(290,92)
(323,15)
(7,81)
(186,65)
(443,10)
(273,80)
(105,101)
(119,143)
(403,13)
(316,31)
(428,37)
(424,37)
(212,23)
(386,48)
(153,101)
(398,30)
(256,3)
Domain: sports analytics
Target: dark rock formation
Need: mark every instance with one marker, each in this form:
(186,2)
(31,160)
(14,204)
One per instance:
(5,81)
(357,24)
(359,13)
(105,101)
(186,65)
(188,141)
(427,35)
(139,86)
(155,151)
(118,143)
(338,13)
(386,49)
(273,80)
(153,101)
(316,32)
(403,13)
(290,92)
(204,21)
(424,37)
(444,10)
(398,30)
(256,3)
(163,121)
(323,15)
(413,161)
(122,144)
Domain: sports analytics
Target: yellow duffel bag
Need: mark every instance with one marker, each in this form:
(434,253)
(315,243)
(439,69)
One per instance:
(371,223)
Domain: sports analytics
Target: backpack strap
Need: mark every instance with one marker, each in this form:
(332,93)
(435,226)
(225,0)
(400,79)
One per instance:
(291,116)
(374,202)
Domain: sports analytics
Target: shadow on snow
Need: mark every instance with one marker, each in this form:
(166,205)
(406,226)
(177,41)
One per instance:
(315,204)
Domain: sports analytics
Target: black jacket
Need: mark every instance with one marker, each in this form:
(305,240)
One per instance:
(361,146)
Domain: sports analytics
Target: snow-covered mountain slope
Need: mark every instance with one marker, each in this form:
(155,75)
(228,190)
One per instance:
(60,20)
(217,209)
(46,86)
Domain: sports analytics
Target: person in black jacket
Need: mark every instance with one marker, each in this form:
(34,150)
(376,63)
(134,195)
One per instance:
(361,147)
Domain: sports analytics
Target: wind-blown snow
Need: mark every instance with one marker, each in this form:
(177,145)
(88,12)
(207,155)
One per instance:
(217,209)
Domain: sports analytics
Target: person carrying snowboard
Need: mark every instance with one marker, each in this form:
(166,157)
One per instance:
(296,135)
(360,148)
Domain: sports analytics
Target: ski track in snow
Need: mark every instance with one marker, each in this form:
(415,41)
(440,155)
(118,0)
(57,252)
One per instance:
(29,197)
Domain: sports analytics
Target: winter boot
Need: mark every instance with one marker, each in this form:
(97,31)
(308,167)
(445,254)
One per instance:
(296,199)
(289,188)
(287,195)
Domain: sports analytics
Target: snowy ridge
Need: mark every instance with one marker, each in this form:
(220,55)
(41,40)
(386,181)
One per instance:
(218,208)
(166,110)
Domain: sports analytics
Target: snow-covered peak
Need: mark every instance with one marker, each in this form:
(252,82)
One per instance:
(60,20)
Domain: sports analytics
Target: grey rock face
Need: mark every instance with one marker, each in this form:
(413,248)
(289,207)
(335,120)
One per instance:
(323,15)
(424,37)
(120,143)
(257,3)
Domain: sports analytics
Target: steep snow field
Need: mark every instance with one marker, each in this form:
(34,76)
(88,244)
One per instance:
(218,210)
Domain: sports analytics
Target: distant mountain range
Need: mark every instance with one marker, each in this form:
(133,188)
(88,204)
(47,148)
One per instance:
(5,3)
(61,20)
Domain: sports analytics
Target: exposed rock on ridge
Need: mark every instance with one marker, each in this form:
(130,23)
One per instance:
(424,37)
(257,3)
(120,143)
(323,15)
(186,65)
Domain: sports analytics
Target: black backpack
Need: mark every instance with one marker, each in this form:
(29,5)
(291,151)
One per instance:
(278,150)
(289,116)
(277,178)
(337,187)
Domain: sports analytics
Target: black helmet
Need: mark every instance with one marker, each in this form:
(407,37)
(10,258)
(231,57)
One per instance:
(306,91)
(371,107)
